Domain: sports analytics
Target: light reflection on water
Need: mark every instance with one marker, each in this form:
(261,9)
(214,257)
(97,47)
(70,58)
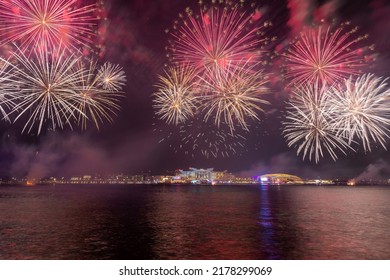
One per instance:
(194,222)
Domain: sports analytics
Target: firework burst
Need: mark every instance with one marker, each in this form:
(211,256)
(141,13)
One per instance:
(215,37)
(46,23)
(96,103)
(361,109)
(307,124)
(45,88)
(233,94)
(111,77)
(175,101)
(320,55)
(6,88)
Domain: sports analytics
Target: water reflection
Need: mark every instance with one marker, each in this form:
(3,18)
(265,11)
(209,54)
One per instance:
(267,227)
(205,223)
(194,222)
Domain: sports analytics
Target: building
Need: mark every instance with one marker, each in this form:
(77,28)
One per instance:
(194,175)
(161,179)
(279,179)
(222,177)
(208,176)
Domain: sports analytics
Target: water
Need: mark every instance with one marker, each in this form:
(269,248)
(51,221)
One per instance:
(194,222)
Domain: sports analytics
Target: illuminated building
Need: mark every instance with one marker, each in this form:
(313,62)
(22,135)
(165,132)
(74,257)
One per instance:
(161,179)
(279,179)
(222,177)
(194,175)
(243,181)
(208,176)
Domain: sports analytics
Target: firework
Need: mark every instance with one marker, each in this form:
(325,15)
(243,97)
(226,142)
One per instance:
(206,140)
(96,102)
(307,124)
(175,100)
(199,138)
(46,23)
(111,77)
(234,94)
(361,109)
(6,88)
(216,36)
(320,55)
(46,88)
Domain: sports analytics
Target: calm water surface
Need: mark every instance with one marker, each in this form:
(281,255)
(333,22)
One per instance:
(194,222)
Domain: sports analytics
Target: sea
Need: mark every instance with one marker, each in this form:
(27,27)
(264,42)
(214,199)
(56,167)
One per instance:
(151,222)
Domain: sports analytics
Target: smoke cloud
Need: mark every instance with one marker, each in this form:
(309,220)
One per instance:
(74,154)
(299,14)
(378,170)
(281,163)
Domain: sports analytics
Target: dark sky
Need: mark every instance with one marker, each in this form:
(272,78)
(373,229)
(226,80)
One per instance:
(136,40)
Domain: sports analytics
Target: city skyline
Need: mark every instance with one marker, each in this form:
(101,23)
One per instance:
(192,176)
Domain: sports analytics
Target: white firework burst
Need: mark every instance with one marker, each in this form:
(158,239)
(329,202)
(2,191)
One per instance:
(360,109)
(96,103)
(46,86)
(307,124)
(234,94)
(111,77)
(7,90)
(175,101)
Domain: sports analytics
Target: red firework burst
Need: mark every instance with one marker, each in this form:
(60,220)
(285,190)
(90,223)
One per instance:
(217,36)
(320,55)
(47,23)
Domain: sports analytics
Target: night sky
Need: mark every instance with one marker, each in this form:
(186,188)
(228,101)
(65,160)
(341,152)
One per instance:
(136,38)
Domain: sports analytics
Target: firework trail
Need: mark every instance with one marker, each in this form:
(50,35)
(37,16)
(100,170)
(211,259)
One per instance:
(97,101)
(320,55)
(197,138)
(175,101)
(45,88)
(215,37)
(208,141)
(111,77)
(233,94)
(47,23)
(361,109)
(307,124)
(6,88)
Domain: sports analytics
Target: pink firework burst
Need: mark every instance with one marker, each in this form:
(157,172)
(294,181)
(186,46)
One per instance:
(217,36)
(324,56)
(47,23)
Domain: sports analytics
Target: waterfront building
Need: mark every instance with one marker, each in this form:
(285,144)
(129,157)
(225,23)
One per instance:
(208,176)
(222,177)
(243,181)
(194,175)
(279,179)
